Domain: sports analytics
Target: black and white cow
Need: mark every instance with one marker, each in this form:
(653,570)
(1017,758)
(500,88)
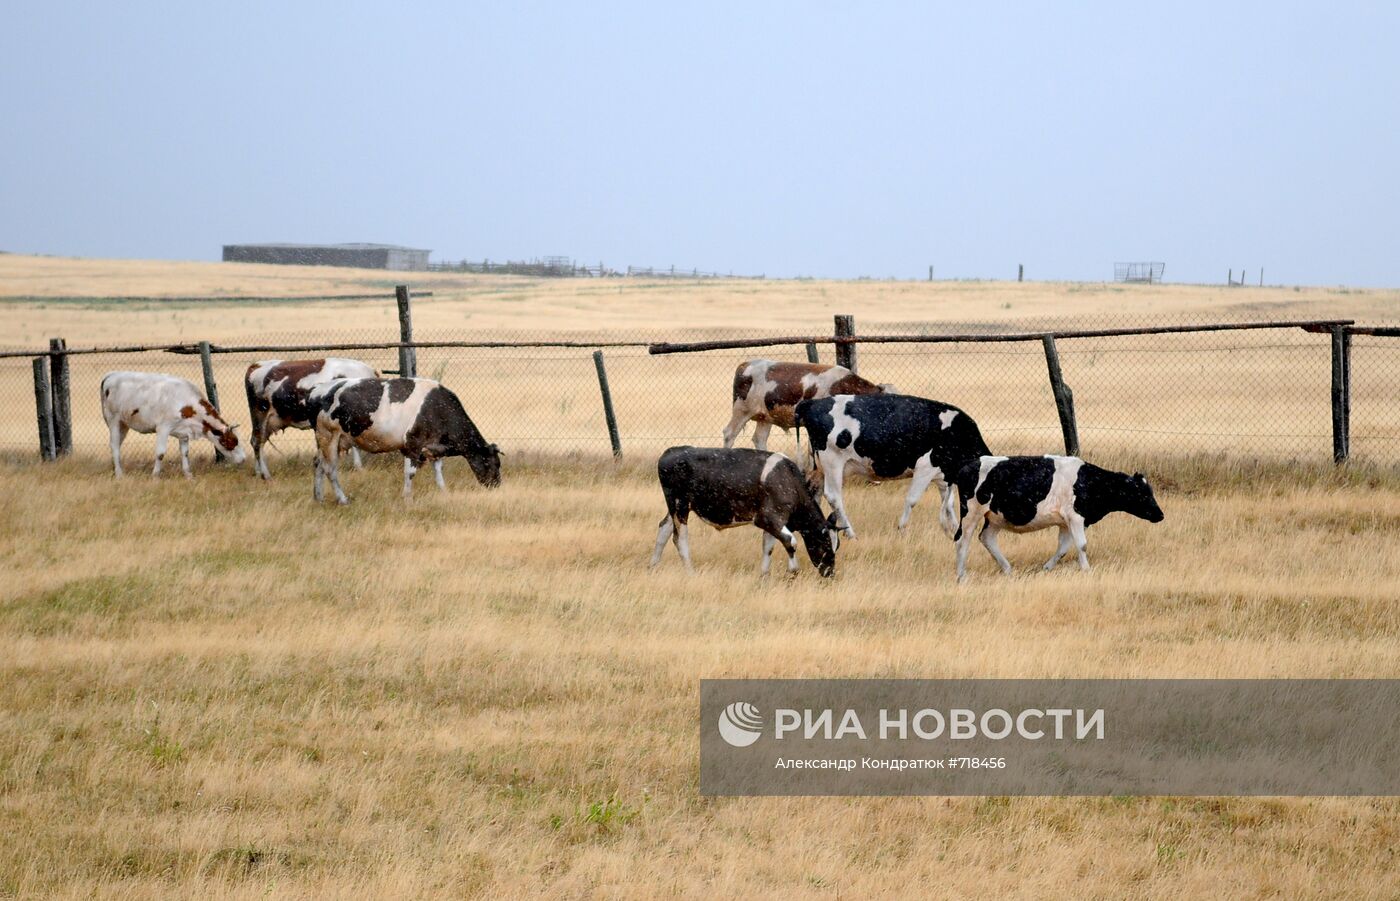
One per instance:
(171,407)
(419,418)
(277,394)
(888,436)
(1026,494)
(728,487)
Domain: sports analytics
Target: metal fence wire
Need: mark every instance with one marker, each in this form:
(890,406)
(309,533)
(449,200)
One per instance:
(1261,394)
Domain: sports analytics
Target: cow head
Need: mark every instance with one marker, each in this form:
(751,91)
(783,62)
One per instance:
(486,464)
(822,543)
(226,442)
(1139,501)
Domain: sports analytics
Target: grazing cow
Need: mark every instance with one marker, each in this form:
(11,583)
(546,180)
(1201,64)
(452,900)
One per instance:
(888,436)
(766,392)
(1026,494)
(419,418)
(277,395)
(729,487)
(151,402)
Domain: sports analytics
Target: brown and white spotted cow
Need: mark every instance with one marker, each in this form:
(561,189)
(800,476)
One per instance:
(766,391)
(278,391)
(419,418)
(168,406)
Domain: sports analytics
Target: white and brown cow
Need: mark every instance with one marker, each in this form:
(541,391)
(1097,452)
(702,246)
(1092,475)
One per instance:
(419,418)
(766,392)
(1026,494)
(278,391)
(168,406)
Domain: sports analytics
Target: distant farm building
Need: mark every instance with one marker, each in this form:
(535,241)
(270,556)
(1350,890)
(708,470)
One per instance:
(360,256)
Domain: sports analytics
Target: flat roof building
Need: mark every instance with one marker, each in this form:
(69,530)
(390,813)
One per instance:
(360,256)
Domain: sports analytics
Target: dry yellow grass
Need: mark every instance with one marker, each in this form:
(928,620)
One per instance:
(218,688)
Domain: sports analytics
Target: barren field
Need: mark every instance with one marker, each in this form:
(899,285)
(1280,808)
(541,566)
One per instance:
(218,688)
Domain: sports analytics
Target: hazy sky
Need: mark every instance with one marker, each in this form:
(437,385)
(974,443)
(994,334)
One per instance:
(788,139)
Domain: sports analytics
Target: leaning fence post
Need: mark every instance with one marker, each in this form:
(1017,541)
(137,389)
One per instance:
(846,352)
(43,406)
(206,362)
(408,357)
(608,412)
(61,394)
(812,353)
(1341,394)
(1064,397)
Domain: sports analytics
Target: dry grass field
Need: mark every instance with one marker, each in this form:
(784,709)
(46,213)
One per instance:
(218,688)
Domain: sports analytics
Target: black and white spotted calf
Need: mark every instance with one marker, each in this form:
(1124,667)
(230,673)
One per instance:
(278,391)
(419,418)
(1026,494)
(729,487)
(888,436)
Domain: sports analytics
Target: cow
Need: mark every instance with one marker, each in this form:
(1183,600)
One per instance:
(728,487)
(766,392)
(1026,494)
(419,418)
(887,436)
(277,394)
(168,406)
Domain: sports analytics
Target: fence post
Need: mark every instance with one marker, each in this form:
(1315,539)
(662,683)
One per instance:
(812,354)
(846,353)
(408,357)
(206,362)
(1064,397)
(1020,272)
(607,403)
(1341,394)
(43,406)
(62,398)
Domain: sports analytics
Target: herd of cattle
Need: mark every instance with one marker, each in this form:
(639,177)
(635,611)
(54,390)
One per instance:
(852,425)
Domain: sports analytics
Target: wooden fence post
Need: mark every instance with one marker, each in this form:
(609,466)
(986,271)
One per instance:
(1064,397)
(408,357)
(206,362)
(43,407)
(846,353)
(1341,394)
(608,412)
(812,356)
(930,272)
(1020,272)
(62,398)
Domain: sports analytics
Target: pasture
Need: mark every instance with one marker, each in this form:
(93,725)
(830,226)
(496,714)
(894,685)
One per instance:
(220,688)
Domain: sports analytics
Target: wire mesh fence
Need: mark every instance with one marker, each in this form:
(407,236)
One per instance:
(1263,394)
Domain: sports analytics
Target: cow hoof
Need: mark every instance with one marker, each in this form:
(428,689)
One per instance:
(343,501)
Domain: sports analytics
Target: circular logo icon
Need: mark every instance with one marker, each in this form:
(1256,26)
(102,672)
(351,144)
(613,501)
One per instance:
(740,724)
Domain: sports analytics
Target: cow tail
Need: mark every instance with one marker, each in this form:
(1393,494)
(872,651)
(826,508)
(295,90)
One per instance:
(947,517)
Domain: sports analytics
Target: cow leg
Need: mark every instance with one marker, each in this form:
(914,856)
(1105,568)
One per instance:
(328,463)
(663,533)
(318,490)
(1081,543)
(1065,540)
(162,442)
(682,538)
(760,435)
(334,465)
(437,475)
(833,476)
(737,420)
(969,523)
(408,472)
(355,458)
(923,474)
(118,434)
(989,541)
(185,457)
(766,561)
(258,439)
